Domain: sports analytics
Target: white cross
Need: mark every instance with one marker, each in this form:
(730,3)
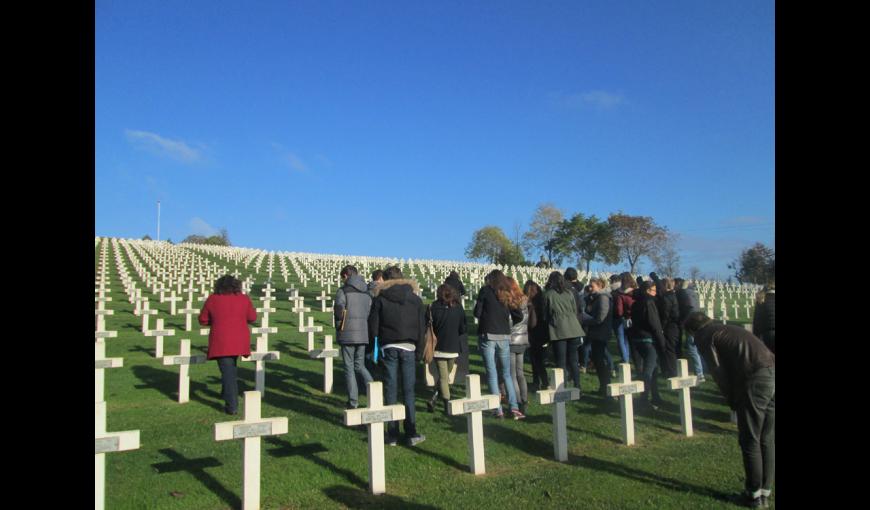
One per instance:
(559,396)
(374,416)
(172,300)
(624,390)
(101,326)
(311,329)
(107,442)
(101,362)
(251,429)
(146,312)
(473,405)
(683,382)
(262,354)
(159,333)
(327,353)
(322,298)
(184,359)
(188,312)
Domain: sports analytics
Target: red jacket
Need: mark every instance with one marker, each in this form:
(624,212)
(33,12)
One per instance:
(228,316)
(623,304)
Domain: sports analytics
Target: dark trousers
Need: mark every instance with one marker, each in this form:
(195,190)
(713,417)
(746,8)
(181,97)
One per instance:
(537,353)
(756,430)
(603,363)
(229,381)
(567,358)
(650,370)
(395,361)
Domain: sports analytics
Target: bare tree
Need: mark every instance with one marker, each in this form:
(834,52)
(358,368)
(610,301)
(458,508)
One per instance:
(542,229)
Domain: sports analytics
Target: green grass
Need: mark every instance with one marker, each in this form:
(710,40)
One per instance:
(320,463)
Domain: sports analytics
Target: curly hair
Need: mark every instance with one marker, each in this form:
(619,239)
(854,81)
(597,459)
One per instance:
(227,284)
(518,299)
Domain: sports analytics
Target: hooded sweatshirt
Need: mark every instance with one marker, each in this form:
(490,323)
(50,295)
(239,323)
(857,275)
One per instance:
(352,306)
(397,315)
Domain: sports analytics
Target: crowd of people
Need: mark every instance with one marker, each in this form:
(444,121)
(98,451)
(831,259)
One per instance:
(381,330)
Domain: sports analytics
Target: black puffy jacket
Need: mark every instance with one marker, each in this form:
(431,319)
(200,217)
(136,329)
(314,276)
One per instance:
(398,315)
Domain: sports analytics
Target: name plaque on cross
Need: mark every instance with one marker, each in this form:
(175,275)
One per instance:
(107,444)
(479,405)
(379,416)
(109,363)
(252,430)
(628,388)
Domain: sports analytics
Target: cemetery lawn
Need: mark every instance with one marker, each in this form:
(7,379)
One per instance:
(320,463)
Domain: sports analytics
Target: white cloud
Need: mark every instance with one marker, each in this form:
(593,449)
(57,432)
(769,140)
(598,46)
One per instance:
(290,158)
(198,226)
(597,98)
(175,149)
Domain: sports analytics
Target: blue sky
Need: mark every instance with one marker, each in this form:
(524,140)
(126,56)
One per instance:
(399,128)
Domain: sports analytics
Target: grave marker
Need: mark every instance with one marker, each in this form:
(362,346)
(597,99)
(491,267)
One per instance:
(159,333)
(250,429)
(558,397)
(184,360)
(101,362)
(374,416)
(107,442)
(624,390)
(473,405)
(326,354)
(683,382)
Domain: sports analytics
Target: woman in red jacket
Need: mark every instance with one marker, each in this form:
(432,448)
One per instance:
(228,313)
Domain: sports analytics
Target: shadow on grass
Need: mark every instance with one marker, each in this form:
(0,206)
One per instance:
(524,442)
(646,477)
(309,451)
(166,382)
(196,467)
(356,498)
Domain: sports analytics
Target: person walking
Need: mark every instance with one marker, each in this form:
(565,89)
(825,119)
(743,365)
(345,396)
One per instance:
(397,318)
(669,312)
(352,306)
(448,324)
(538,334)
(560,314)
(518,345)
(228,312)
(597,319)
(580,292)
(647,335)
(688,301)
(745,372)
(622,302)
(494,312)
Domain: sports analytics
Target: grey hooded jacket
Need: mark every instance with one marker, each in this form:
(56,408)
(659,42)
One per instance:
(356,300)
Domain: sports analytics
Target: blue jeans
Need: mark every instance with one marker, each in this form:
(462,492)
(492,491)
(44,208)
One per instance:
(353,356)
(488,349)
(692,351)
(622,341)
(567,348)
(396,360)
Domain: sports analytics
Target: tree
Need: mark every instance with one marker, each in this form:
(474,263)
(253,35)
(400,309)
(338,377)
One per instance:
(755,265)
(492,244)
(217,240)
(666,259)
(694,273)
(588,238)
(636,237)
(146,237)
(542,229)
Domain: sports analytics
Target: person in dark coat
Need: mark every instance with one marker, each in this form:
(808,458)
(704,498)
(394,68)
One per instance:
(597,319)
(669,312)
(449,325)
(494,310)
(764,319)
(454,281)
(397,318)
(538,334)
(352,306)
(228,312)
(648,336)
(744,369)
